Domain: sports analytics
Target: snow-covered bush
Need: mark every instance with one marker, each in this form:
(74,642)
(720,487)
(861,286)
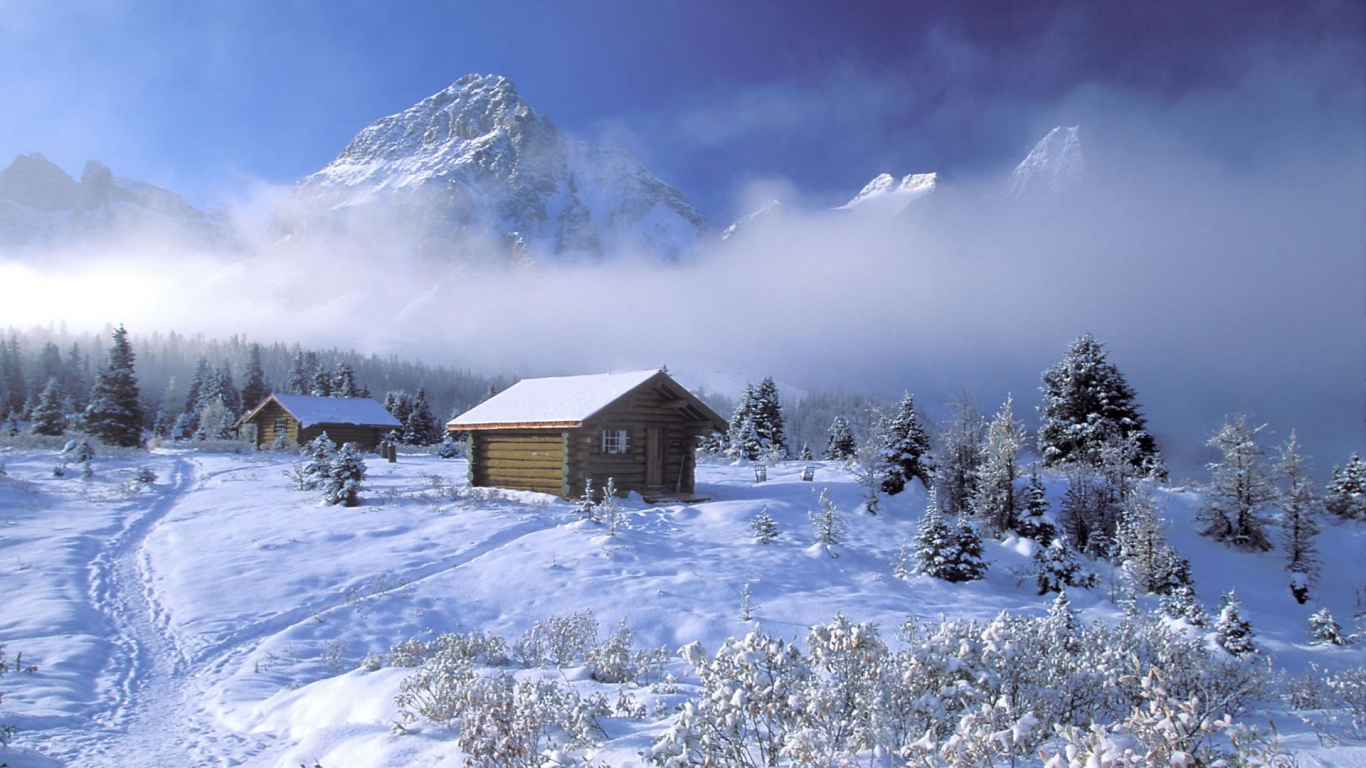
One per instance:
(558,641)
(1325,629)
(611,662)
(144,475)
(764,527)
(79,451)
(507,723)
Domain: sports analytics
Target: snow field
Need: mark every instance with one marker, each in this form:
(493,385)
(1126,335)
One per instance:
(217,617)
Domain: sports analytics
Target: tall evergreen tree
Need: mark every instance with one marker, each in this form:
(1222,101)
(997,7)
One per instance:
(12,374)
(114,414)
(255,388)
(1086,402)
(994,500)
(299,380)
(75,382)
(1090,511)
(768,417)
(322,384)
(1236,509)
(344,382)
(399,404)
(959,455)
(419,428)
(742,437)
(840,443)
(49,367)
(227,391)
(1346,494)
(48,418)
(906,455)
(1299,521)
(1148,559)
(202,381)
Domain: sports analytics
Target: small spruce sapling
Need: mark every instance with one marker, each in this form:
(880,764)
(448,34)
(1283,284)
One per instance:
(1346,494)
(448,449)
(1325,629)
(745,614)
(345,477)
(1035,521)
(1233,633)
(610,511)
(934,541)
(765,528)
(828,522)
(1057,566)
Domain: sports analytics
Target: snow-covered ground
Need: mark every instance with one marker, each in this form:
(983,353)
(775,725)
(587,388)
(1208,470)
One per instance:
(217,616)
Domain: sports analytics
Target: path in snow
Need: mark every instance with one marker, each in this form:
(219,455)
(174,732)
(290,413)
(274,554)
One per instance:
(144,716)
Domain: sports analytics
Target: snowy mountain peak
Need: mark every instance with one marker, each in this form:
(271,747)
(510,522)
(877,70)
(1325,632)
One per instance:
(885,196)
(767,210)
(475,168)
(41,204)
(1054,165)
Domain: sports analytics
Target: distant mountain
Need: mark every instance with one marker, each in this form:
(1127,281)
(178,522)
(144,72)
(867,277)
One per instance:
(1054,166)
(42,205)
(884,196)
(475,166)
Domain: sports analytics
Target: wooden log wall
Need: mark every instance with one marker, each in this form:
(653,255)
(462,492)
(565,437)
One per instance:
(628,471)
(524,460)
(366,437)
(265,425)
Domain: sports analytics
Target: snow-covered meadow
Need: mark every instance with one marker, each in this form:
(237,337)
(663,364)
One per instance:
(217,616)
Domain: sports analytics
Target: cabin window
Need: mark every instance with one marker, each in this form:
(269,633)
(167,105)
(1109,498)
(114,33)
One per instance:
(614,440)
(281,426)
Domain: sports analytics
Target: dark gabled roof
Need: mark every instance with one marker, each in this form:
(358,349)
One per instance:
(566,402)
(359,411)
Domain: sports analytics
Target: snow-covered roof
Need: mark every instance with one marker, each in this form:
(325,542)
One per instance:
(336,410)
(561,401)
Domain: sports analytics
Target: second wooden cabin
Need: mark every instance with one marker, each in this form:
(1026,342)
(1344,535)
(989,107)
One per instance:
(550,435)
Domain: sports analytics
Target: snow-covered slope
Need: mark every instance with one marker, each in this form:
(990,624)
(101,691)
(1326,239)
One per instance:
(886,197)
(1054,166)
(218,617)
(476,168)
(42,205)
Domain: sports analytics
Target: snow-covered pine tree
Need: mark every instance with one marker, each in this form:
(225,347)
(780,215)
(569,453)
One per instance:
(1233,633)
(215,422)
(12,376)
(1183,603)
(839,444)
(1035,520)
(764,527)
(1057,566)
(805,455)
(47,415)
(227,390)
(1242,491)
(344,382)
(935,546)
(201,382)
(399,404)
(75,380)
(299,379)
(1346,494)
(768,417)
(958,455)
(994,500)
(321,385)
(420,426)
(345,477)
(255,388)
(868,465)
(449,448)
(1147,556)
(828,522)
(1090,512)
(1085,401)
(1298,520)
(906,454)
(967,563)
(114,414)
(1325,629)
(742,437)
(317,454)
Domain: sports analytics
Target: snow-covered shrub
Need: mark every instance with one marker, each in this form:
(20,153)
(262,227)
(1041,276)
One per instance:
(435,692)
(506,723)
(345,477)
(144,475)
(79,451)
(764,527)
(412,652)
(559,641)
(611,662)
(748,706)
(1325,629)
(371,662)
(448,448)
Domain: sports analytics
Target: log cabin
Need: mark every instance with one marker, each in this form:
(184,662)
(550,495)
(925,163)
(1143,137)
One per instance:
(300,418)
(551,435)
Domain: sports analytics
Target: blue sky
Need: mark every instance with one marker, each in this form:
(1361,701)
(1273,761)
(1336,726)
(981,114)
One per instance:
(811,99)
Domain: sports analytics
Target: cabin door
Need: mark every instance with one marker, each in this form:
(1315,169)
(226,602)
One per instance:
(654,457)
